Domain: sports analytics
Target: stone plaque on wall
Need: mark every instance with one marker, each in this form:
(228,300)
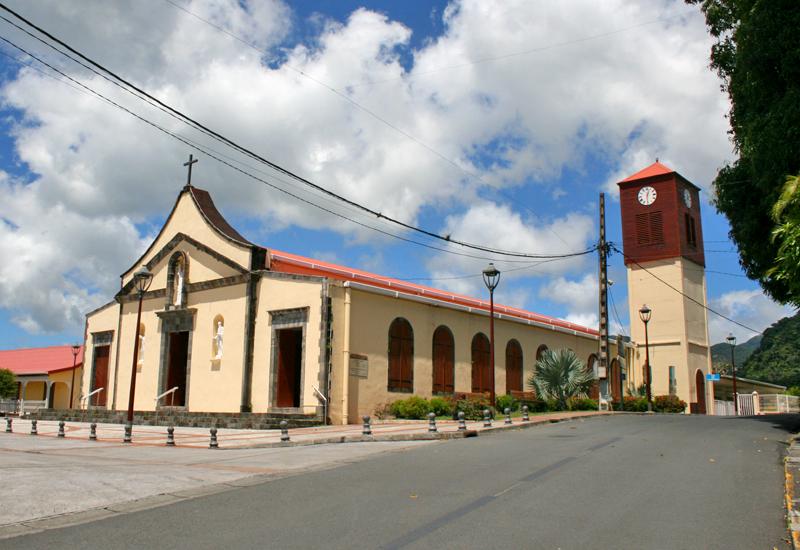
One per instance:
(359,365)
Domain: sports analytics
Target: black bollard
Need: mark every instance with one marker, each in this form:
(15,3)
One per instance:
(128,437)
(367,428)
(284,431)
(33,428)
(487,418)
(508,415)
(170,436)
(8,425)
(61,429)
(432,423)
(462,424)
(92,432)
(213,444)
(525,416)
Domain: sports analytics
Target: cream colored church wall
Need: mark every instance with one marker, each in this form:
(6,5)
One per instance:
(276,293)
(147,369)
(188,220)
(216,385)
(202,267)
(102,320)
(372,314)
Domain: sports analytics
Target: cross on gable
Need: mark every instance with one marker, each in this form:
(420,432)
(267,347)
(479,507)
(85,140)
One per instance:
(191,161)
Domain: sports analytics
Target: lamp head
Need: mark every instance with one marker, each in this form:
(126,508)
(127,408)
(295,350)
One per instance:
(76,348)
(731,339)
(491,276)
(645,313)
(142,279)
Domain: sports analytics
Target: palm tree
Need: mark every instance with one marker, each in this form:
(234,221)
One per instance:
(560,375)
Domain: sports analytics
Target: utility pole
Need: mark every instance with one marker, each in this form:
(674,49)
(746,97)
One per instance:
(602,251)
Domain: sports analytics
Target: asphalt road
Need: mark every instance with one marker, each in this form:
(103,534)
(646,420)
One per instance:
(611,482)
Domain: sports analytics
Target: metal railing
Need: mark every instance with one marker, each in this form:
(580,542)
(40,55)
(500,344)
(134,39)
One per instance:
(30,405)
(87,398)
(324,404)
(9,406)
(779,403)
(724,408)
(171,393)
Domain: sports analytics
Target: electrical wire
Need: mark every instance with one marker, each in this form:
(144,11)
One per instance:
(211,133)
(704,306)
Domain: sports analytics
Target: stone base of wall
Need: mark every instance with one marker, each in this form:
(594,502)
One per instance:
(252,421)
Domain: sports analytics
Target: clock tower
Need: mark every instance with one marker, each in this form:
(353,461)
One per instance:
(663,246)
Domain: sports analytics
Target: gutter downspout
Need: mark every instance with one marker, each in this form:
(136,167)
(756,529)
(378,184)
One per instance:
(346,359)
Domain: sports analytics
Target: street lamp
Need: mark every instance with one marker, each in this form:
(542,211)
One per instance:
(732,341)
(76,348)
(644,314)
(141,280)
(491,276)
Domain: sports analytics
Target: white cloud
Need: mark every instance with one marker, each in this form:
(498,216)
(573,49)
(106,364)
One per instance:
(749,307)
(579,296)
(517,120)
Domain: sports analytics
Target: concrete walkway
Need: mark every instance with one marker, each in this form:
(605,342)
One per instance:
(242,439)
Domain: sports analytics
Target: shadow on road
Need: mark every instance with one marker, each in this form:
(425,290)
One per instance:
(789,423)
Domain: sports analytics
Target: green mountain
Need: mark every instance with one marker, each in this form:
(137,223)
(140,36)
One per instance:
(721,353)
(777,358)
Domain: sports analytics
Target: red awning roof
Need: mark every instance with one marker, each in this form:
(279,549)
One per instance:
(39,360)
(655,169)
(292,263)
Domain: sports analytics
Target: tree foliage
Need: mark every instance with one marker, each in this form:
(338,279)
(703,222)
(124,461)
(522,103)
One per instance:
(560,375)
(8,384)
(777,360)
(786,235)
(757,55)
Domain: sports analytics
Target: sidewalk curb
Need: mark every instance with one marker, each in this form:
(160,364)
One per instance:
(791,468)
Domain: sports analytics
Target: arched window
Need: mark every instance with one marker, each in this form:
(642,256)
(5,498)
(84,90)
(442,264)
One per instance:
(481,370)
(177,280)
(401,356)
(513,366)
(540,351)
(140,356)
(443,361)
(217,335)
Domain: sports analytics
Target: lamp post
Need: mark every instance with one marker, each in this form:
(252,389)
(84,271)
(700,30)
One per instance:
(644,314)
(732,341)
(76,348)
(141,280)
(491,276)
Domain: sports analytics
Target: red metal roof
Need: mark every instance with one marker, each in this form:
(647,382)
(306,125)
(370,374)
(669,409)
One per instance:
(39,360)
(655,169)
(292,263)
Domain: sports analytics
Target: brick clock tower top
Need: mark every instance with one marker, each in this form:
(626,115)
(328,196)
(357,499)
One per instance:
(660,216)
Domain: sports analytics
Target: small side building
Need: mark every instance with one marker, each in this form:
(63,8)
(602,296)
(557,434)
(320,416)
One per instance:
(46,377)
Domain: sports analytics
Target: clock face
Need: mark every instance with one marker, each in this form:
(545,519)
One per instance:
(687,198)
(647,195)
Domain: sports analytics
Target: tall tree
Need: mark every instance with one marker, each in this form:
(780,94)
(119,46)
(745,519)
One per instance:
(757,55)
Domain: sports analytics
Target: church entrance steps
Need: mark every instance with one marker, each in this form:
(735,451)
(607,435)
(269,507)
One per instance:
(247,421)
(230,438)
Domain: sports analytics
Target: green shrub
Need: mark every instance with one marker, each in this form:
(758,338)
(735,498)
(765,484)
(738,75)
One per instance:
(473,408)
(635,404)
(554,404)
(582,404)
(506,402)
(793,390)
(414,407)
(534,405)
(8,383)
(668,404)
(441,406)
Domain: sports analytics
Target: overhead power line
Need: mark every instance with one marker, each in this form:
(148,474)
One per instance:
(704,306)
(204,150)
(99,69)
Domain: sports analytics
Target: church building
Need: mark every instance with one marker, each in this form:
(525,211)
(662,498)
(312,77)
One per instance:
(230,326)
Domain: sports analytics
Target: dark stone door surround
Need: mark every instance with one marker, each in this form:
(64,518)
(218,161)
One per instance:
(175,320)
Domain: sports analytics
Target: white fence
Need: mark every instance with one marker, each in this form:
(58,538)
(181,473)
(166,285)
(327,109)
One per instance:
(754,404)
(9,406)
(779,404)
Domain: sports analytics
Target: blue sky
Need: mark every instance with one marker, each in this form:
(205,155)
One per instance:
(498,123)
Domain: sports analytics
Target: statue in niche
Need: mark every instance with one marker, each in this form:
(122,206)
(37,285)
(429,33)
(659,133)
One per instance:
(218,339)
(141,348)
(178,301)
